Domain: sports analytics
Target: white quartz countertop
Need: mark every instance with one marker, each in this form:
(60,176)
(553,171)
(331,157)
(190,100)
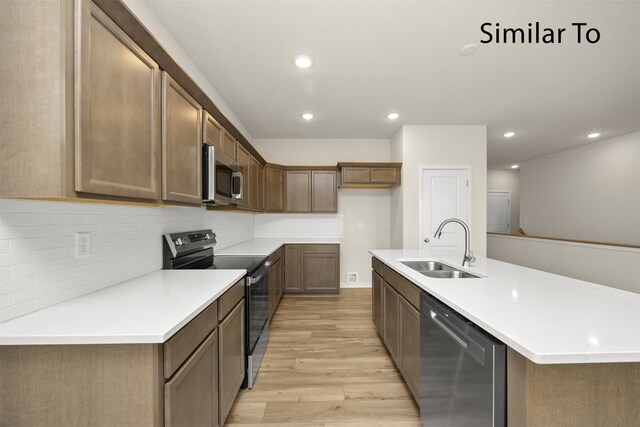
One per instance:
(549,319)
(148,309)
(257,247)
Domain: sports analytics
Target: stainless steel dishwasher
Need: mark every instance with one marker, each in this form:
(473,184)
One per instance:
(462,370)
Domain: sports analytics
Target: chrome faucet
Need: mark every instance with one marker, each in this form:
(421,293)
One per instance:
(468,253)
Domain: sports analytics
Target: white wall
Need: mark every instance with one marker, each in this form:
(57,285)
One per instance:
(606,265)
(369,207)
(396,201)
(38,267)
(591,192)
(442,145)
(507,179)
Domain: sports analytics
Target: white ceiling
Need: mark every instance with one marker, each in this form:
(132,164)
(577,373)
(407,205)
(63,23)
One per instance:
(375,56)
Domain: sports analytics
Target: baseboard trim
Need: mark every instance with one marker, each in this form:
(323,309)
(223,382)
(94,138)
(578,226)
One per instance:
(355,285)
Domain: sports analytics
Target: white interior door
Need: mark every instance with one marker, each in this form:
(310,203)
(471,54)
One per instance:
(445,194)
(498,211)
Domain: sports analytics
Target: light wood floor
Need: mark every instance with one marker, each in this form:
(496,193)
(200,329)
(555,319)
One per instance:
(326,366)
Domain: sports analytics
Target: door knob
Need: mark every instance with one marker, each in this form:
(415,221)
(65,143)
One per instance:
(426,240)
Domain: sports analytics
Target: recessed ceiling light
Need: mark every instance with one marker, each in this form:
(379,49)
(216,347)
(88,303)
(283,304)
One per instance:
(393,116)
(303,61)
(514,166)
(593,135)
(509,134)
(468,49)
(307,116)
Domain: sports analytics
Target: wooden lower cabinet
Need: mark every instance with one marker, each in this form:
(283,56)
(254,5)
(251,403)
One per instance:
(376,301)
(312,269)
(190,380)
(390,320)
(293,255)
(191,395)
(397,320)
(409,343)
(232,359)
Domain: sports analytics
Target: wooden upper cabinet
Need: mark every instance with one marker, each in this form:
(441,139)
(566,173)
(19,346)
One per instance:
(118,94)
(244,163)
(181,144)
(212,132)
(298,184)
(369,175)
(324,196)
(229,145)
(274,188)
(256,201)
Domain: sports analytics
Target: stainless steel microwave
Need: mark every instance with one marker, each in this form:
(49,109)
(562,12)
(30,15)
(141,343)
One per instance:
(221,178)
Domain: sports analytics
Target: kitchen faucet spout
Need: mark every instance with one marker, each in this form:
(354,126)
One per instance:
(468,253)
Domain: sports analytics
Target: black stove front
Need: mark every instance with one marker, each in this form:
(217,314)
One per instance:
(194,251)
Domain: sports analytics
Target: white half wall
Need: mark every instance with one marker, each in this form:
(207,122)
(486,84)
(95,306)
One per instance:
(441,145)
(606,265)
(364,213)
(591,192)
(507,179)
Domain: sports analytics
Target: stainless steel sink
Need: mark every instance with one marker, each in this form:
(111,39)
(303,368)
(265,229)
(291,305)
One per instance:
(438,270)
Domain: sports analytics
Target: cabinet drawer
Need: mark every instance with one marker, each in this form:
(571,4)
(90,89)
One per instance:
(409,291)
(178,348)
(230,298)
(376,265)
(321,249)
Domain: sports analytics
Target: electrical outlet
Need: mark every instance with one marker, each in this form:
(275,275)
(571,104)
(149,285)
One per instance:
(360,224)
(352,277)
(83,244)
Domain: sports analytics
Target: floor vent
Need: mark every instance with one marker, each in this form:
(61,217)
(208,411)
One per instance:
(352,277)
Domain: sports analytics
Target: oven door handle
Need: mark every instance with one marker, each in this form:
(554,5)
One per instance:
(254,280)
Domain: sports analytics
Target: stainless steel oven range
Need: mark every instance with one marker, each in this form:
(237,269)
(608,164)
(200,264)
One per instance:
(194,250)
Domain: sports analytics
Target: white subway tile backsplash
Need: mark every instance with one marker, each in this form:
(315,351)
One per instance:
(15,285)
(38,267)
(30,269)
(30,294)
(14,258)
(16,310)
(288,225)
(51,299)
(30,244)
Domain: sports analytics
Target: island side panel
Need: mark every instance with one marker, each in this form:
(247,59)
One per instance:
(587,395)
(74,385)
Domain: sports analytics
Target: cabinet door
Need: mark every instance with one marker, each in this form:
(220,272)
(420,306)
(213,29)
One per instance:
(191,395)
(260,198)
(212,132)
(181,144)
(229,144)
(376,301)
(274,189)
(232,359)
(244,163)
(298,184)
(255,183)
(324,191)
(410,346)
(119,122)
(293,268)
(383,175)
(321,273)
(390,320)
(355,175)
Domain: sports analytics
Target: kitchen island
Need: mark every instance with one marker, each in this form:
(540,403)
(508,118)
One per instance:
(573,347)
